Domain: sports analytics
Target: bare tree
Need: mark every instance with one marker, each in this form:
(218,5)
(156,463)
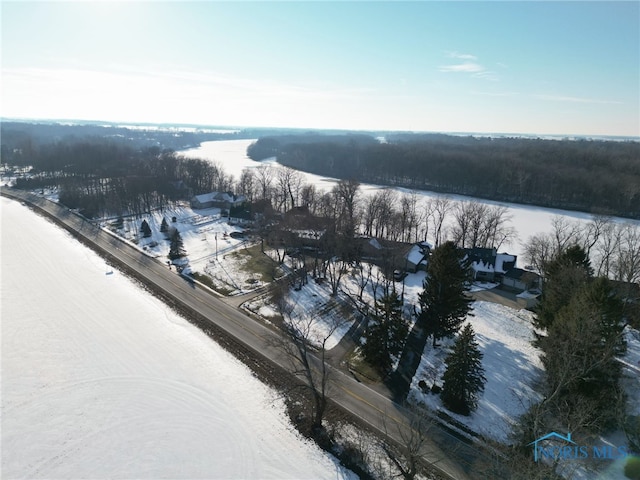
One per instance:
(326,206)
(408,217)
(264,176)
(379,282)
(247,184)
(309,197)
(543,247)
(627,261)
(565,233)
(346,194)
(463,213)
(481,225)
(378,212)
(279,238)
(605,249)
(497,229)
(538,251)
(387,200)
(369,214)
(288,185)
(427,217)
(335,268)
(593,230)
(441,208)
(362,275)
(306,347)
(408,445)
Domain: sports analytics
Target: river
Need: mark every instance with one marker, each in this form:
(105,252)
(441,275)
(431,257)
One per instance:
(527,220)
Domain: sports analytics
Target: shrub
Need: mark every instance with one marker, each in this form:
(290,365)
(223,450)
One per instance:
(423,386)
(632,468)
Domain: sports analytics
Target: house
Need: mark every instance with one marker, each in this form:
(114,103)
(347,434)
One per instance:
(390,255)
(520,279)
(307,229)
(417,257)
(488,265)
(224,200)
(180,189)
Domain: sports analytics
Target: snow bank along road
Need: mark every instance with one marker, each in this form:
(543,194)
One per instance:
(357,399)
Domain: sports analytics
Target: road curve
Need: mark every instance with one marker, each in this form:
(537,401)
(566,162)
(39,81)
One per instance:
(447,453)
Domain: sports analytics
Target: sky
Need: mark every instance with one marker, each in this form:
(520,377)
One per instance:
(561,68)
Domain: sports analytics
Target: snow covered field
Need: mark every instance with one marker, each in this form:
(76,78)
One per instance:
(101,380)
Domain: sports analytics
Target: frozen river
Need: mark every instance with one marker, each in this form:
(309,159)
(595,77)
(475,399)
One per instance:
(527,220)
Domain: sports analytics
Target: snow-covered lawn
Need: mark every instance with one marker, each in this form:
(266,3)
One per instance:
(314,310)
(202,231)
(102,380)
(213,246)
(511,366)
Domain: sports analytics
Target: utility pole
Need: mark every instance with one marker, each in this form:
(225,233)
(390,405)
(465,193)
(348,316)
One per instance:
(216,246)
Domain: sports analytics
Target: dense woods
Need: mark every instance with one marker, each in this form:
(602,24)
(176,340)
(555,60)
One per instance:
(19,139)
(587,175)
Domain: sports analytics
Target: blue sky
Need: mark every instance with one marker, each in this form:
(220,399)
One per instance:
(511,67)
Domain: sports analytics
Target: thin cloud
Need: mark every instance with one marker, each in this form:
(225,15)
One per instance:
(487,75)
(568,99)
(467,67)
(461,56)
(177,80)
(497,94)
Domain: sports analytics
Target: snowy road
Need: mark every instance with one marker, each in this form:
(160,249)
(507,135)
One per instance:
(371,406)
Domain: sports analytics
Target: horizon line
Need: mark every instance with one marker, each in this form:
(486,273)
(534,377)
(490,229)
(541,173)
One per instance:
(125,123)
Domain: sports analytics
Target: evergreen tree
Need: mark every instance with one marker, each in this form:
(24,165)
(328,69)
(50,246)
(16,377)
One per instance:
(164,226)
(563,277)
(176,247)
(579,356)
(464,377)
(386,336)
(444,304)
(146,229)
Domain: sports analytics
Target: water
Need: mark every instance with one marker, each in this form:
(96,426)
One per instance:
(528,220)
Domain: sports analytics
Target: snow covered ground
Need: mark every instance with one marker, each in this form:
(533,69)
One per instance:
(315,309)
(504,334)
(208,241)
(101,380)
(511,366)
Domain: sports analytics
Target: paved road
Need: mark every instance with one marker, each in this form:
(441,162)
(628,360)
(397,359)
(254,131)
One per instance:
(449,455)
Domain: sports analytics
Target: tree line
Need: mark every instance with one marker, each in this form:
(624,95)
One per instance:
(20,139)
(586,175)
(103,178)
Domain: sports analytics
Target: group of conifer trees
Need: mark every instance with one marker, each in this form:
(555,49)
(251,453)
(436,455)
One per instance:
(444,306)
(580,324)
